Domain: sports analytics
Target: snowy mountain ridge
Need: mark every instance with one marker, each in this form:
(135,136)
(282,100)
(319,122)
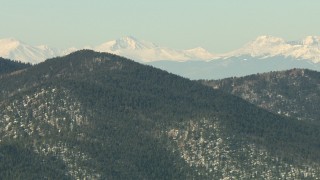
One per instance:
(17,50)
(269,46)
(143,51)
(128,46)
(147,52)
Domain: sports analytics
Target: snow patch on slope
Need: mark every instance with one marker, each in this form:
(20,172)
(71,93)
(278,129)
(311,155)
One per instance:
(205,145)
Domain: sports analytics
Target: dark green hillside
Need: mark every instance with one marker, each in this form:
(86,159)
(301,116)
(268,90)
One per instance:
(18,162)
(294,93)
(107,117)
(8,66)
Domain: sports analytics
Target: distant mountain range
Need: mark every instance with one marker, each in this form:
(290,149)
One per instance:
(144,51)
(17,50)
(268,46)
(264,54)
(128,46)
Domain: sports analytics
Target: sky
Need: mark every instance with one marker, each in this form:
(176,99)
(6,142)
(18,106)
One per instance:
(216,25)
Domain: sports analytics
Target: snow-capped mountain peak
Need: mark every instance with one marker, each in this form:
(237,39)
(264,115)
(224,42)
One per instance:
(127,46)
(262,46)
(199,53)
(267,40)
(311,41)
(129,42)
(43,47)
(7,45)
(17,50)
(145,51)
(269,46)
(124,43)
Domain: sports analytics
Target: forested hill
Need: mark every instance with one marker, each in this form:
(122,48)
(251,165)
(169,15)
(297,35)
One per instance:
(8,66)
(100,116)
(293,93)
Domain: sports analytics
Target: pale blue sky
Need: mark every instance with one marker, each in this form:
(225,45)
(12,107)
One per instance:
(217,25)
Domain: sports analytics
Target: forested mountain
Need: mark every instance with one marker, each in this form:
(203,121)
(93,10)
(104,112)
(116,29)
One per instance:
(293,93)
(100,116)
(8,66)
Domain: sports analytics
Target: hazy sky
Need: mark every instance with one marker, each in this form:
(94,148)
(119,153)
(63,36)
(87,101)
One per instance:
(217,25)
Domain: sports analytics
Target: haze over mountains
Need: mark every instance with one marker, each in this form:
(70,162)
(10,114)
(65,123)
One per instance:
(264,54)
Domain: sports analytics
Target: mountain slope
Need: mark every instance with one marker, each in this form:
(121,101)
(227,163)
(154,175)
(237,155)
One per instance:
(18,162)
(294,93)
(8,66)
(107,117)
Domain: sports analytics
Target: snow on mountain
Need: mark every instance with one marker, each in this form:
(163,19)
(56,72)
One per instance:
(199,53)
(68,51)
(311,41)
(147,52)
(144,51)
(129,47)
(125,43)
(269,46)
(14,49)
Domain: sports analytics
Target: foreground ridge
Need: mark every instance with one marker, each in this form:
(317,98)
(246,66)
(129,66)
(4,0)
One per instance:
(101,116)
